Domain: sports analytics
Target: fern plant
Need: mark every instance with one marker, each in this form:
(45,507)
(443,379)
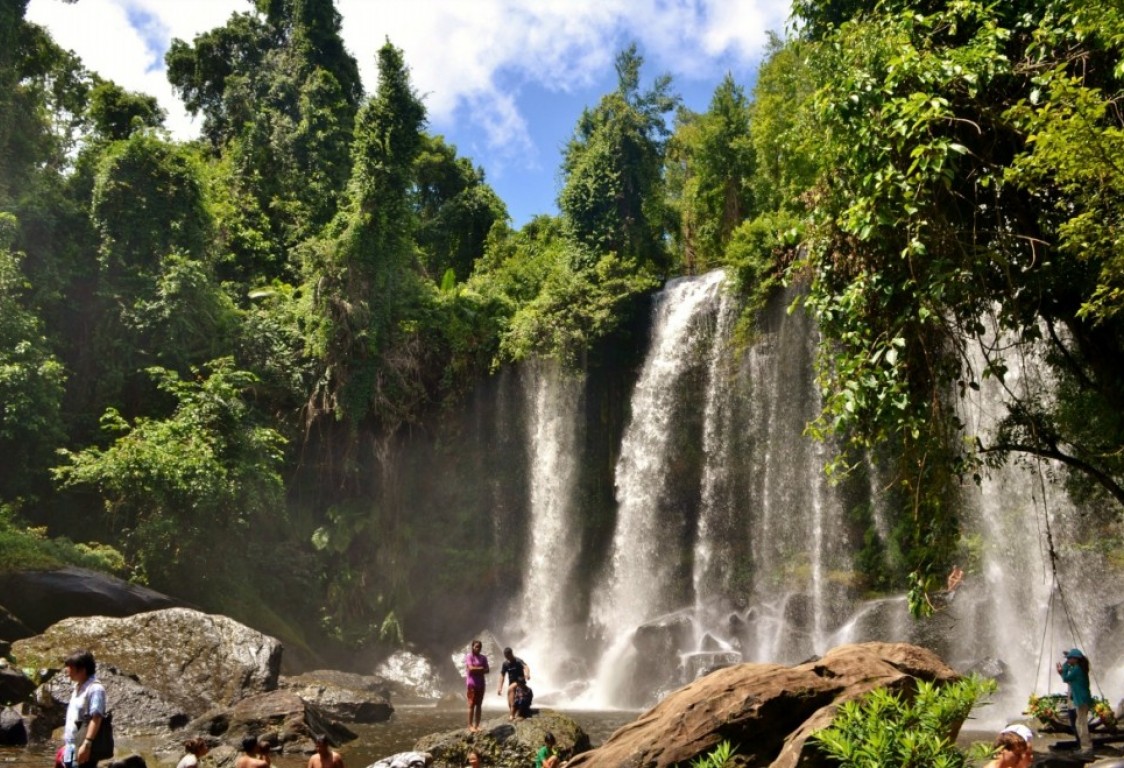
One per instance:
(717,757)
(886,729)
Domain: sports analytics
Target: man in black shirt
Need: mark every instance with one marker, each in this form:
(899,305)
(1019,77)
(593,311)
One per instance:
(515,671)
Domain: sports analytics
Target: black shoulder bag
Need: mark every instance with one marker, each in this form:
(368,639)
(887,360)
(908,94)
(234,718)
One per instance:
(101,748)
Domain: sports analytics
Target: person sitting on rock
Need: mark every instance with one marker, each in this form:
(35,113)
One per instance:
(547,756)
(521,700)
(325,756)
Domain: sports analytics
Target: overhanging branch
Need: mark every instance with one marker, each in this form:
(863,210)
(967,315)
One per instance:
(1103,478)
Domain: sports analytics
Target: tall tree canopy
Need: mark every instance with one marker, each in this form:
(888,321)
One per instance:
(612,196)
(279,94)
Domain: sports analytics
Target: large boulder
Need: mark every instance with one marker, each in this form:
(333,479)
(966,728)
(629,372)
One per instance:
(13,731)
(193,660)
(11,628)
(137,709)
(502,742)
(769,710)
(42,598)
(658,645)
(344,696)
(411,675)
(289,722)
(15,686)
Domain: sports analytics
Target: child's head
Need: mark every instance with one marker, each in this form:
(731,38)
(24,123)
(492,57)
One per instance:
(197,747)
(548,739)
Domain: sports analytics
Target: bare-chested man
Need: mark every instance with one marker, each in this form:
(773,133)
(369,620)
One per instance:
(251,757)
(325,756)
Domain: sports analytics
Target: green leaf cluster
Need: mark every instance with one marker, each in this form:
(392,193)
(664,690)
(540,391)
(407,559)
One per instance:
(194,482)
(903,729)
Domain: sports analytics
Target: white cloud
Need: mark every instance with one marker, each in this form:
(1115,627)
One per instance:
(466,57)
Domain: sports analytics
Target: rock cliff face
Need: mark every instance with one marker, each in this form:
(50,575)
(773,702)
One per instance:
(767,710)
(195,661)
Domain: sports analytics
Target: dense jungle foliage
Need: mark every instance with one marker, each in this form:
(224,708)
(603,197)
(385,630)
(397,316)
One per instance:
(210,350)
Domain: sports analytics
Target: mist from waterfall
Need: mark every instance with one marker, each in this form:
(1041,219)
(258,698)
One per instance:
(1014,613)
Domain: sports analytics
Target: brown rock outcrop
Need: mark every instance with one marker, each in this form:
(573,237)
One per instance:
(767,710)
(285,719)
(344,696)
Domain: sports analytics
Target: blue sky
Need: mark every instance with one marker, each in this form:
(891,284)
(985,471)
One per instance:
(503,80)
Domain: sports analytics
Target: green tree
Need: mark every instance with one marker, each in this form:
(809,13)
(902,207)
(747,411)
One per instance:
(117,113)
(156,301)
(786,134)
(714,156)
(612,194)
(184,490)
(361,276)
(31,383)
(43,93)
(935,212)
(455,210)
(279,94)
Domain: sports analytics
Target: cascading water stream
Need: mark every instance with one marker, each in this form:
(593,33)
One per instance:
(541,623)
(645,551)
(1007,615)
(715,548)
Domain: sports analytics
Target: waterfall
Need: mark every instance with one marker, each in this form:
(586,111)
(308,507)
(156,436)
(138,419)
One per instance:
(728,554)
(541,623)
(729,543)
(716,548)
(1006,615)
(799,535)
(645,568)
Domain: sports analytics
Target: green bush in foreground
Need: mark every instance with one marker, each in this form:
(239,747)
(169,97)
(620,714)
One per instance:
(887,729)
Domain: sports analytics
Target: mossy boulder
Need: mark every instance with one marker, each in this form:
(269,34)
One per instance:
(502,742)
(195,661)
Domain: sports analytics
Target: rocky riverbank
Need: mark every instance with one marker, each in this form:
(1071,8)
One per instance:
(177,673)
